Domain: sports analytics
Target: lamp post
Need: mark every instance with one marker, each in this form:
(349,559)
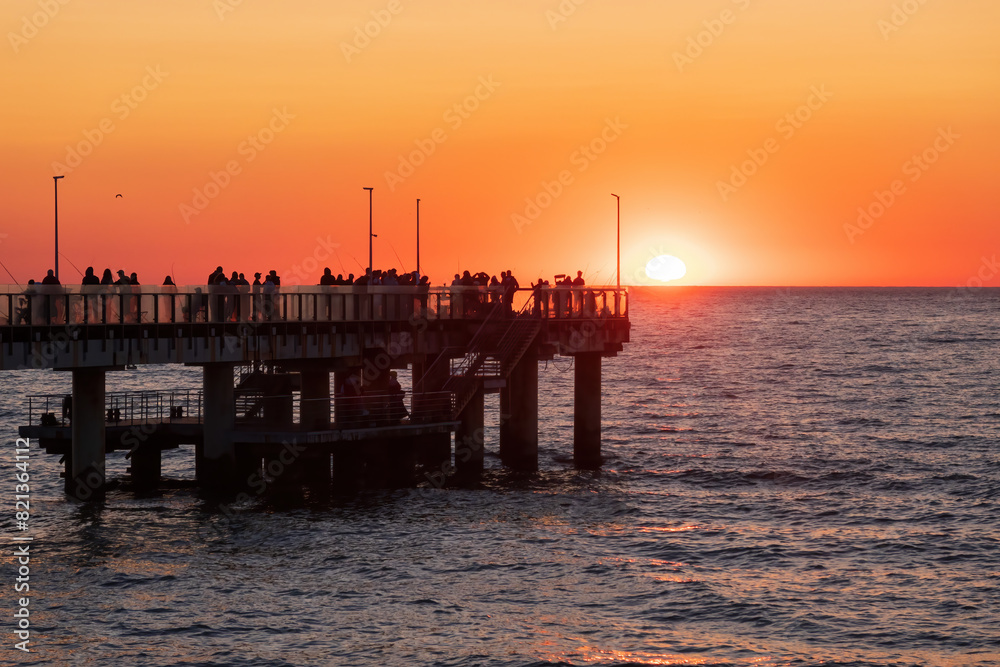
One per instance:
(55,182)
(371,267)
(618,256)
(418,240)
(618,265)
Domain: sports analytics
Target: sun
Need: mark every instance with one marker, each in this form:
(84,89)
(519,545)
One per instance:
(665,268)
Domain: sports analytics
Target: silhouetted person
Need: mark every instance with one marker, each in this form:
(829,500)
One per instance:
(90,280)
(257,304)
(167,308)
(267,291)
(106,301)
(50,289)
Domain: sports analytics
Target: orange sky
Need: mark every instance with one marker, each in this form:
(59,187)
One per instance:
(671,98)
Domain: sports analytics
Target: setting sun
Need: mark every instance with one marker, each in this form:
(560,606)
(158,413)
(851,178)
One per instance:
(665,268)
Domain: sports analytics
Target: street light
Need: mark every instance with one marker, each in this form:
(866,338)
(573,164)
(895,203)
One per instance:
(55,182)
(418,240)
(371,267)
(618,269)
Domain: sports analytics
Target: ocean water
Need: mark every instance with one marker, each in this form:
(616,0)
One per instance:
(793,477)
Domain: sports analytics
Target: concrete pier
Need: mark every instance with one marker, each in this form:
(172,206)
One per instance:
(520,451)
(146,466)
(435,449)
(86,463)
(469,449)
(587,411)
(218,465)
(272,423)
(315,411)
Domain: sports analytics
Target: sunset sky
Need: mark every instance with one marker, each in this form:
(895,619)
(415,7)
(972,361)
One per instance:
(746,137)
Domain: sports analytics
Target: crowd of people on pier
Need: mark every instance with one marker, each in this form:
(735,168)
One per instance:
(232,297)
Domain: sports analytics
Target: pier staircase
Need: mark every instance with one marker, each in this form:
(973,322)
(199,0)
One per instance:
(257,384)
(492,353)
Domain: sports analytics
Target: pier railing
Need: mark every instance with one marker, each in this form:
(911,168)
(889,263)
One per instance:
(121,408)
(58,305)
(367,410)
(254,411)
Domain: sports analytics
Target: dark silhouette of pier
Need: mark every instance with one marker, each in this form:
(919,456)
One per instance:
(267,361)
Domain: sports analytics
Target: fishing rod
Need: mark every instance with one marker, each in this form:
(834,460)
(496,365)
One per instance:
(10,274)
(72,264)
(401,264)
(342,267)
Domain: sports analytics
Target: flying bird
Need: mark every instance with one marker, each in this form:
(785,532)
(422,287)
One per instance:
(117,196)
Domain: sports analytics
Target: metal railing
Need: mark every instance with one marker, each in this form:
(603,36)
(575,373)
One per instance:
(367,410)
(75,305)
(120,408)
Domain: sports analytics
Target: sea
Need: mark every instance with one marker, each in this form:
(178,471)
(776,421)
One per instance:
(793,476)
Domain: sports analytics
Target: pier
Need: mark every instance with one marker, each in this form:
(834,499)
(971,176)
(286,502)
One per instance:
(267,359)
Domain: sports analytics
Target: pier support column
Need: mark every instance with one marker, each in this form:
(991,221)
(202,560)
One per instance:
(146,467)
(340,407)
(505,437)
(314,411)
(249,469)
(316,473)
(520,451)
(469,437)
(587,411)
(277,404)
(428,404)
(87,472)
(219,459)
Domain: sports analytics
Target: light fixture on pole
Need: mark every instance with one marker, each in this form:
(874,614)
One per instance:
(618,265)
(371,267)
(55,181)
